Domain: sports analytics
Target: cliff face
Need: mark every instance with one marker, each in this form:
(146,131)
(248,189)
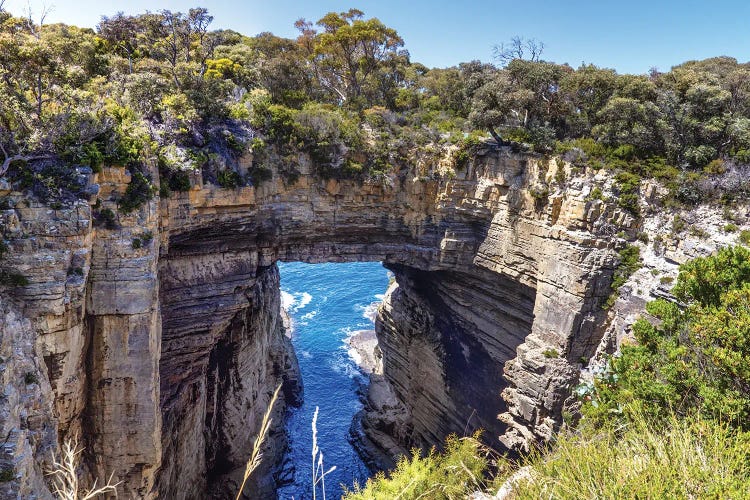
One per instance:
(166,352)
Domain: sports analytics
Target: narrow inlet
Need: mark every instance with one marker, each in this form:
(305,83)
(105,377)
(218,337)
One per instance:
(328,303)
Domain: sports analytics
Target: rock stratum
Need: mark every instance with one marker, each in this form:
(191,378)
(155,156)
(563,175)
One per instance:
(160,357)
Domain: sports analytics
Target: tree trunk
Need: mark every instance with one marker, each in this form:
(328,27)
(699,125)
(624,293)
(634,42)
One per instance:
(495,136)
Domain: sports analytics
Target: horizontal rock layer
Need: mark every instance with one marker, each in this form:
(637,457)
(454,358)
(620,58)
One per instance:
(166,353)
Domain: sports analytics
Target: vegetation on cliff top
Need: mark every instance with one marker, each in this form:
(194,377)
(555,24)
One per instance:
(164,85)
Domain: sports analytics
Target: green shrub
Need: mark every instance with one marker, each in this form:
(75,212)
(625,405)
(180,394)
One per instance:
(690,458)
(630,262)
(730,228)
(596,194)
(179,180)
(261,174)
(106,218)
(560,176)
(30,378)
(12,279)
(745,237)
(696,359)
(7,474)
(625,152)
(139,191)
(144,239)
(551,353)
(234,144)
(147,237)
(678,224)
(440,476)
(229,179)
(628,185)
(715,167)
(467,148)
(540,194)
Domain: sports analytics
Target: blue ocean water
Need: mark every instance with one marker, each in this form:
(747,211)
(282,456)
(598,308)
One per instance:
(327,302)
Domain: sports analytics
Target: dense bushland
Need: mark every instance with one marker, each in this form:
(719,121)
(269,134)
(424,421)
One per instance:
(164,85)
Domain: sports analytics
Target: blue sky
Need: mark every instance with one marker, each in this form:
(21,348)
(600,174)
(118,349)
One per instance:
(630,36)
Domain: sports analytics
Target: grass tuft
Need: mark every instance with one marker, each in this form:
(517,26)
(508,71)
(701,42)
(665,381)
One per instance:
(257,456)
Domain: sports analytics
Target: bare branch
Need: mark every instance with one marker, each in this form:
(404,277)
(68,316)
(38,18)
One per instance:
(64,475)
(10,159)
(518,48)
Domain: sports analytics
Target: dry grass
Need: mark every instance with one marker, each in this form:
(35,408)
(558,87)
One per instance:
(685,458)
(318,470)
(65,482)
(256,456)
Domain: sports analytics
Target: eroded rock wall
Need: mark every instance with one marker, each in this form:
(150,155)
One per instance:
(165,353)
(223,355)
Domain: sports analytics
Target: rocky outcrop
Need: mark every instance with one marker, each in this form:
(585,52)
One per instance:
(165,352)
(28,428)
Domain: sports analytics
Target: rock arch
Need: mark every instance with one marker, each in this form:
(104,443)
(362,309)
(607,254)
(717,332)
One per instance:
(168,365)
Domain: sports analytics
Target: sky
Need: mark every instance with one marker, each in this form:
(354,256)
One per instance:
(629,36)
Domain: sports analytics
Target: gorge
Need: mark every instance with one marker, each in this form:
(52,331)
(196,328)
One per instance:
(566,252)
(167,354)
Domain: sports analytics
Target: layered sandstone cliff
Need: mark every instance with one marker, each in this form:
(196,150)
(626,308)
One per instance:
(162,356)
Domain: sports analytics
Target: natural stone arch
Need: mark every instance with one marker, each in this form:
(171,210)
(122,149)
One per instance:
(135,343)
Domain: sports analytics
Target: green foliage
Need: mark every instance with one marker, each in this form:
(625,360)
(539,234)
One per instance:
(730,228)
(454,473)
(12,279)
(551,353)
(260,175)
(596,194)
(628,185)
(7,474)
(694,359)
(745,237)
(229,179)
(678,224)
(467,148)
(139,191)
(691,458)
(142,240)
(30,378)
(630,262)
(107,218)
(179,181)
(540,194)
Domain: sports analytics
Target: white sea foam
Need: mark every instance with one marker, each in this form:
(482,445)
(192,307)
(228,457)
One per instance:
(371,310)
(293,302)
(287,300)
(354,354)
(309,315)
(345,366)
(305,299)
